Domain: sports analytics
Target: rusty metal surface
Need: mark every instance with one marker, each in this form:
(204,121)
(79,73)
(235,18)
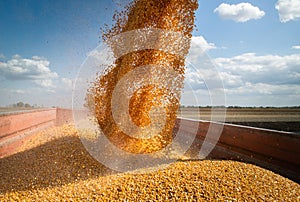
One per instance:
(16,123)
(16,126)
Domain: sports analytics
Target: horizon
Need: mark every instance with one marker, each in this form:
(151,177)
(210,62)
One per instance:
(12,106)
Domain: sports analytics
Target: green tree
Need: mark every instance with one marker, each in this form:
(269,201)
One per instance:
(20,104)
(27,105)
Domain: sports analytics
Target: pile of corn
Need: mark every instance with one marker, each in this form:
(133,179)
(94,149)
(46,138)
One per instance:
(169,15)
(54,166)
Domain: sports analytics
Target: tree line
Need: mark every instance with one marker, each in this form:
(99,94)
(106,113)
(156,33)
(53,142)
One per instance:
(22,105)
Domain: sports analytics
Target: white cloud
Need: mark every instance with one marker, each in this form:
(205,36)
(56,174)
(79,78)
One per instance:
(35,69)
(46,83)
(19,68)
(199,45)
(296,47)
(288,10)
(241,12)
(2,56)
(251,79)
(67,82)
(231,80)
(263,88)
(269,69)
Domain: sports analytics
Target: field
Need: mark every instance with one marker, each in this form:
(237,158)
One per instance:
(4,110)
(284,119)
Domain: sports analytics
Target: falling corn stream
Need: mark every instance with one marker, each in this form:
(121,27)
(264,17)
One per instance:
(135,101)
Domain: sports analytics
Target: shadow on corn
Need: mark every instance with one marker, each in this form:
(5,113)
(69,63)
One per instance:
(55,163)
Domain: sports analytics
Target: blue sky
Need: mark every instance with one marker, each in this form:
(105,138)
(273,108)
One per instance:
(254,45)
